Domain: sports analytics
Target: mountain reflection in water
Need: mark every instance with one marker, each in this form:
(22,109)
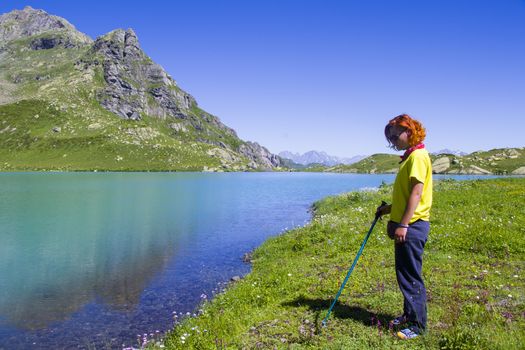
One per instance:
(80,245)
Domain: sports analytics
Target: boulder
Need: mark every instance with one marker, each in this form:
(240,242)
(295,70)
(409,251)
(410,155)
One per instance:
(441,165)
(519,171)
(247,257)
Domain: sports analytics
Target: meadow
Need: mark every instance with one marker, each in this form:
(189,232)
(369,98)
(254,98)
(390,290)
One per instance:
(473,269)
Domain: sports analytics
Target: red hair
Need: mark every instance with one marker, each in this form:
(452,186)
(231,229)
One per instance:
(417,131)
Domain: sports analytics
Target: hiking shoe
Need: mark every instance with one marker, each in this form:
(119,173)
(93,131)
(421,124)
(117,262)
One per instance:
(398,321)
(406,334)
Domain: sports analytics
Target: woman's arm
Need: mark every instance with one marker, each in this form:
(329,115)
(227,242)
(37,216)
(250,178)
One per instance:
(413,201)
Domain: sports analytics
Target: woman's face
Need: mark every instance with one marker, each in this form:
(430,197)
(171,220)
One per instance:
(398,136)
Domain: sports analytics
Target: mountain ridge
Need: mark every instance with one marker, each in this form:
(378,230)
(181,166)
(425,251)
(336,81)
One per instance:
(109,91)
(318,157)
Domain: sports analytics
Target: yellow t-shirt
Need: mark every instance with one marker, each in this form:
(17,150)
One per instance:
(419,167)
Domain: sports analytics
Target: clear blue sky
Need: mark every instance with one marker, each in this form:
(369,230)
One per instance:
(327,75)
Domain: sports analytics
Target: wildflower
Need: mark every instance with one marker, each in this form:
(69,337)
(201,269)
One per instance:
(289,275)
(515,276)
(510,295)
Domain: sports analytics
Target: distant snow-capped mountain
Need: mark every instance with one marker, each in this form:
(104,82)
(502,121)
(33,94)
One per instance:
(317,157)
(449,151)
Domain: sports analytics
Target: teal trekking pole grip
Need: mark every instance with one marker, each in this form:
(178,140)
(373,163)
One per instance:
(352,267)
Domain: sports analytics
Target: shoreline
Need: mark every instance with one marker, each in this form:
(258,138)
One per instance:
(22,171)
(253,330)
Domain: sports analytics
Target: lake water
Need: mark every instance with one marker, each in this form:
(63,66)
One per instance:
(95,259)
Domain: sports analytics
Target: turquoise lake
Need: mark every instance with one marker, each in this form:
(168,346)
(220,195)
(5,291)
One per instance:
(93,260)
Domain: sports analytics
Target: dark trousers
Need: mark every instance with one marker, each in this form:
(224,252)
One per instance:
(409,263)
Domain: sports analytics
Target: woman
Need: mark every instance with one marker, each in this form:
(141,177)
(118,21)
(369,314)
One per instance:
(409,220)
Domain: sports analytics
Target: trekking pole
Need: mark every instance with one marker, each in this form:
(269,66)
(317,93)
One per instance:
(352,267)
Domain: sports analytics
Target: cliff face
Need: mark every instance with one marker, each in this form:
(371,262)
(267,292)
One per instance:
(135,85)
(44,58)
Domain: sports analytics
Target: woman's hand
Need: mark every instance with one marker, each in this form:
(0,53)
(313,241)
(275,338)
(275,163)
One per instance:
(400,234)
(383,209)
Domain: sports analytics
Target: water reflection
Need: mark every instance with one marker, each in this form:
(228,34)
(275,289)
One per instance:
(65,246)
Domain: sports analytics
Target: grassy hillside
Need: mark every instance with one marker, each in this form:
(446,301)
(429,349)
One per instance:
(37,135)
(473,268)
(496,161)
(68,103)
(61,126)
(377,163)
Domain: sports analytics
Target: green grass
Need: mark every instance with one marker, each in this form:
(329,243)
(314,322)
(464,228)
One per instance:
(377,163)
(28,142)
(473,269)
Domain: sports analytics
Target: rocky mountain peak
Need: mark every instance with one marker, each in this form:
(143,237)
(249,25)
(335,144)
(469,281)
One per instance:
(135,84)
(24,23)
(119,44)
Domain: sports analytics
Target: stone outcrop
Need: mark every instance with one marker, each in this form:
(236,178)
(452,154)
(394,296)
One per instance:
(519,171)
(477,170)
(51,43)
(259,155)
(135,85)
(471,170)
(441,165)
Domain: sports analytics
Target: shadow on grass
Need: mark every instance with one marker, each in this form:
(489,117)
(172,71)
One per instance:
(342,311)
